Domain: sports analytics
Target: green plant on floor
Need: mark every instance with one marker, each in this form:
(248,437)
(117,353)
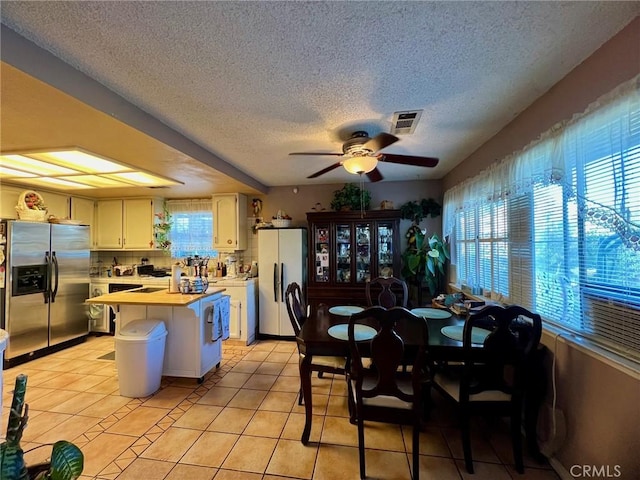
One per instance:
(350,197)
(67,460)
(424,260)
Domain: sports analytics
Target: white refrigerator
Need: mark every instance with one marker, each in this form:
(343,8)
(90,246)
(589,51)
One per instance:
(282,259)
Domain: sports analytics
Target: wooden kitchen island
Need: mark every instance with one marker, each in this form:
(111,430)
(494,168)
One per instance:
(190,350)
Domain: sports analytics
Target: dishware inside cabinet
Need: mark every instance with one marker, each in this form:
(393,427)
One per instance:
(321,249)
(385,249)
(363,260)
(343,253)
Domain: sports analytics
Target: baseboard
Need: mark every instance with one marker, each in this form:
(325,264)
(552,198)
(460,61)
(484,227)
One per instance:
(560,470)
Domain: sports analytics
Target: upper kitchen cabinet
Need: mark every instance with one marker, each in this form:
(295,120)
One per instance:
(126,224)
(230,222)
(57,205)
(84,210)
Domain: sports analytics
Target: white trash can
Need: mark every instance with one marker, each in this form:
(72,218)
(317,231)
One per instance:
(140,357)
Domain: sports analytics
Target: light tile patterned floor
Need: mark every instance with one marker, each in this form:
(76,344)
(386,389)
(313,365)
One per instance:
(242,423)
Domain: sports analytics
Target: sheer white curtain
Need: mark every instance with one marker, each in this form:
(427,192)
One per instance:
(570,205)
(191,227)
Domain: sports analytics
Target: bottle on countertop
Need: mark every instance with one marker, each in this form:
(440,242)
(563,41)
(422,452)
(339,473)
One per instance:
(219,270)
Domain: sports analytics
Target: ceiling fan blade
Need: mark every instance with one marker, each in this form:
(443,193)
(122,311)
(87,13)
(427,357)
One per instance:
(409,160)
(325,170)
(374,175)
(380,141)
(317,153)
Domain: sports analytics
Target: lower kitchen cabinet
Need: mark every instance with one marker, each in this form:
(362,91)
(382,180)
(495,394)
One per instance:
(244,306)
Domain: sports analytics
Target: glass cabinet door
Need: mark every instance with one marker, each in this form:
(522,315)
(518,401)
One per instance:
(363,259)
(385,249)
(343,253)
(321,250)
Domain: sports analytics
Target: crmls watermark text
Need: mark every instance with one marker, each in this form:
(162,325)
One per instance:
(595,471)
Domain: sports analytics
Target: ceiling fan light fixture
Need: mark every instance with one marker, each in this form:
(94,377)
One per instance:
(358,165)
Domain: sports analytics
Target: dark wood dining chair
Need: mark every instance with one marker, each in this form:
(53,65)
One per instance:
(297,310)
(380,291)
(493,378)
(379,391)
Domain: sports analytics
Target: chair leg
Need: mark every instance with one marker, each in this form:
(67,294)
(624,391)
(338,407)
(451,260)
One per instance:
(320,374)
(466,441)
(300,396)
(361,448)
(516,439)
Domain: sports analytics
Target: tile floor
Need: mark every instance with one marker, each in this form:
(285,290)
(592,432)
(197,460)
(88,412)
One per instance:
(242,423)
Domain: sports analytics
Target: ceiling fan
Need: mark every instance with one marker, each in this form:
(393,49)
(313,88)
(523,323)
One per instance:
(360,155)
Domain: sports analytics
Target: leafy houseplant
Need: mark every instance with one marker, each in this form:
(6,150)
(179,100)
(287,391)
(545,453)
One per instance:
(415,211)
(162,228)
(350,197)
(67,461)
(424,260)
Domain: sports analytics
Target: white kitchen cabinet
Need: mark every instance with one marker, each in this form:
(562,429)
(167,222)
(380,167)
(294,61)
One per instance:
(230,222)
(84,210)
(8,200)
(57,205)
(244,305)
(126,224)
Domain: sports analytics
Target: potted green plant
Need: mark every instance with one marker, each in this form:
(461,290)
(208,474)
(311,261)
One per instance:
(67,460)
(162,228)
(415,211)
(424,260)
(350,197)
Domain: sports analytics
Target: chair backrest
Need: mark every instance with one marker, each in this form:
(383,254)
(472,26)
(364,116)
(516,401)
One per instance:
(296,307)
(381,289)
(500,363)
(401,339)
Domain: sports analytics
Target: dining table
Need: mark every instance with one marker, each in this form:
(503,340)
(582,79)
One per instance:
(324,334)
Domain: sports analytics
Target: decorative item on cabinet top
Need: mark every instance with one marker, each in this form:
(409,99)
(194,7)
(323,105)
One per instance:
(31,206)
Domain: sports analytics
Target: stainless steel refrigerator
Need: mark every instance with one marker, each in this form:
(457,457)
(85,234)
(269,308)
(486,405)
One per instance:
(44,281)
(282,259)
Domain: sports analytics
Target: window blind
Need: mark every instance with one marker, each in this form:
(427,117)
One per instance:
(557,226)
(192,228)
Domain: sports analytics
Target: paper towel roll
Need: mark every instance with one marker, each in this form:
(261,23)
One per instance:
(176,273)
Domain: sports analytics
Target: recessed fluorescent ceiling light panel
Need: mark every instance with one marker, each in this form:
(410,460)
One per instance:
(74,168)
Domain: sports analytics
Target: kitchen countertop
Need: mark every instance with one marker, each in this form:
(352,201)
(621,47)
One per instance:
(164,281)
(162,298)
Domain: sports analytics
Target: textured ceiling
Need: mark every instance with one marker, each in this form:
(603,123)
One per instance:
(252,81)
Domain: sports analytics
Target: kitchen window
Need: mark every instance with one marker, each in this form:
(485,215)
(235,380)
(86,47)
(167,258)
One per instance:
(556,227)
(191,228)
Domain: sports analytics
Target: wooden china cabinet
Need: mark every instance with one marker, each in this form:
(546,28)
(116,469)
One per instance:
(346,250)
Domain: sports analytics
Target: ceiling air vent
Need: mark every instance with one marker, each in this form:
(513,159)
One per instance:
(404,123)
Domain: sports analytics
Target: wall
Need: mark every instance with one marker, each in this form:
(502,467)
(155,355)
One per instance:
(599,399)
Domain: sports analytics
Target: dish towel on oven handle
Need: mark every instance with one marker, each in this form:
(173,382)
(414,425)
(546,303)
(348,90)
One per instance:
(220,312)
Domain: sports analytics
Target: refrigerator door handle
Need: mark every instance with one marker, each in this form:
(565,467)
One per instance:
(275,282)
(56,271)
(282,282)
(47,287)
